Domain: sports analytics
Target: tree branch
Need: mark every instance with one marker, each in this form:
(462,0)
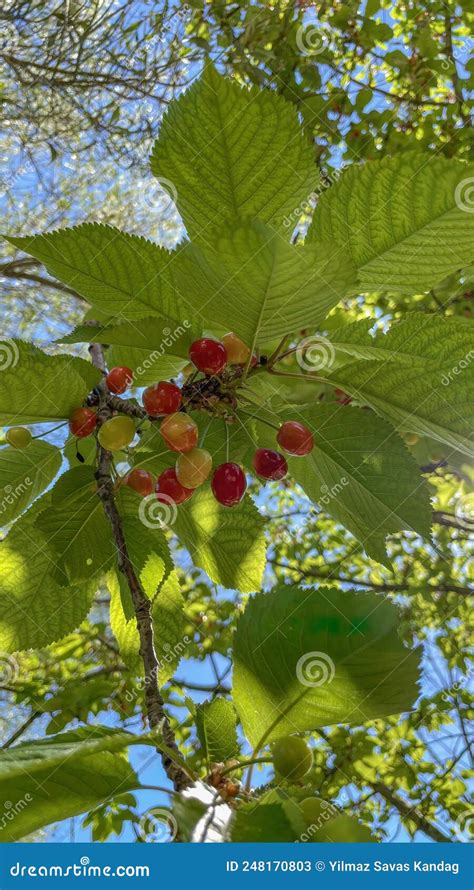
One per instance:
(142,606)
(372,585)
(409,812)
(12,270)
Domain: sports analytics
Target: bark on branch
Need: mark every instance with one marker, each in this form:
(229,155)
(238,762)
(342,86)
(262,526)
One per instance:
(156,714)
(410,812)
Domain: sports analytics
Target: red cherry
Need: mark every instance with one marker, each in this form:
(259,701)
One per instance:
(141,481)
(209,356)
(229,484)
(295,438)
(179,431)
(161,398)
(82,422)
(269,464)
(119,379)
(169,487)
(342,396)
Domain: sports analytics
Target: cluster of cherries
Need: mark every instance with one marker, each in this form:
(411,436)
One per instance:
(180,432)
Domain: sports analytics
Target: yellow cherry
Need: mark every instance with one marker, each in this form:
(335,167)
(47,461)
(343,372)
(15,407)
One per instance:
(194,467)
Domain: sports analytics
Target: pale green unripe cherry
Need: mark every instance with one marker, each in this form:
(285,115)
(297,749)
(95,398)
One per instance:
(116,433)
(18,437)
(193,467)
(292,757)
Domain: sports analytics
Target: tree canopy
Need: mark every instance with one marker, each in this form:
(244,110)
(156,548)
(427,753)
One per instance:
(284,193)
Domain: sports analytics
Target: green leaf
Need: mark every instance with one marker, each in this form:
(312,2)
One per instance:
(229,544)
(37,388)
(76,527)
(216,728)
(24,475)
(413,340)
(262,823)
(152,347)
(434,401)
(169,622)
(121,274)
(329,825)
(188,811)
(225,151)
(63,776)
(248,273)
(304,659)
(35,610)
(403,220)
(362,474)
(147,547)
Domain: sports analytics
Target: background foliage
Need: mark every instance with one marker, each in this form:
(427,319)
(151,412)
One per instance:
(84,91)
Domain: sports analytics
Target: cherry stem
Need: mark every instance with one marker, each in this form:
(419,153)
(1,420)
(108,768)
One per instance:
(245,763)
(227,443)
(53,430)
(260,419)
(306,378)
(277,354)
(201,444)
